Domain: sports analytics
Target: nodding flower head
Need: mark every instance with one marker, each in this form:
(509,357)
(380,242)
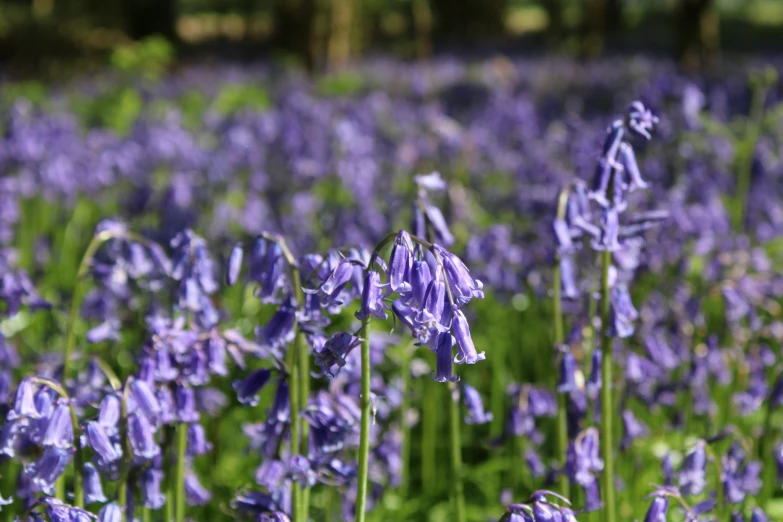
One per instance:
(640,120)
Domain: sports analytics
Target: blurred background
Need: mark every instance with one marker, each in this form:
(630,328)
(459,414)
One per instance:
(52,38)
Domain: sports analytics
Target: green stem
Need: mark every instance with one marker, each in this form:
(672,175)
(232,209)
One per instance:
(766,457)
(364,436)
(127,451)
(562,398)
(293,406)
(8,476)
(607,478)
(405,450)
(458,488)
(169,462)
(304,394)
(429,435)
(179,482)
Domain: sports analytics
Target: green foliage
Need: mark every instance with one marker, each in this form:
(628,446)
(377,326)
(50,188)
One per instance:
(147,58)
(237,97)
(340,84)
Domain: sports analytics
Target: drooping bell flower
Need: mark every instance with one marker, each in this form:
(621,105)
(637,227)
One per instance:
(641,120)
(431,313)
(168,410)
(44,472)
(280,408)
(107,451)
(196,494)
(150,484)
(110,513)
(330,291)
(420,280)
(463,286)
(610,230)
(400,263)
(93,490)
(279,331)
(474,406)
(372,304)
(444,343)
(658,510)
(568,370)
(109,414)
(24,402)
(59,432)
(185,399)
(197,440)
(334,352)
(143,400)
(142,437)
(266,268)
(234,264)
(633,177)
(466,350)
(248,388)
(622,313)
(692,477)
(633,429)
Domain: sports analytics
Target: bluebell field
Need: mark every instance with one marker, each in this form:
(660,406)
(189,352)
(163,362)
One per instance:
(492,290)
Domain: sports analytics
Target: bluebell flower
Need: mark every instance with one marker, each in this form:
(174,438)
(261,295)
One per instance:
(567,380)
(24,402)
(110,513)
(330,292)
(758,515)
(266,269)
(420,275)
(185,399)
(372,304)
(44,472)
(334,352)
(150,486)
(275,516)
(93,490)
(197,495)
(270,474)
(280,409)
(109,414)
(463,286)
(248,388)
(279,331)
(197,440)
(658,510)
(400,263)
(692,477)
(474,406)
(444,343)
(622,313)
(168,409)
(59,432)
(300,471)
(142,437)
(234,264)
(107,451)
(466,350)
(640,119)
(142,399)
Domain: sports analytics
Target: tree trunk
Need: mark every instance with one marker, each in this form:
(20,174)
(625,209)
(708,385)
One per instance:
(339,51)
(467,21)
(698,32)
(554,28)
(294,28)
(422,28)
(148,17)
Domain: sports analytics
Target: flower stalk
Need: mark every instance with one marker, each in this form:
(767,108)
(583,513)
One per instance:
(607,406)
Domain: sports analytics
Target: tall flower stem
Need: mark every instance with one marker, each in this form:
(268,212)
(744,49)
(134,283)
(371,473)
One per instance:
(405,451)
(293,406)
(458,488)
(364,435)
(179,481)
(607,479)
(561,427)
(127,451)
(78,290)
(297,363)
(78,457)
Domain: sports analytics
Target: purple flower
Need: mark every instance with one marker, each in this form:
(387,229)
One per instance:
(443,373)
(475,407)
(196,494)
(372,304)
(462,285)
(44,472)
(150,484)
(279,331)
(334,352)
(143,400)
(59,432)
(466,351)
(692,477)
(110,513)
(234,264)
(266,269)
(658,510)
(197,440)
(107,451)
(142,437)
(400,263)
(24,402)
(568,371)
(248,388)
(93,490)
(186,404)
